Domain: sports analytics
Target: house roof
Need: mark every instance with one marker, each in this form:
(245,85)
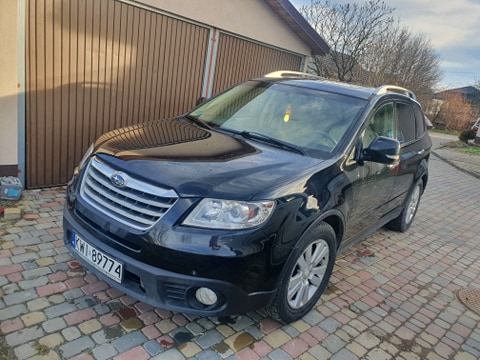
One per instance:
(299,25)
(469,93)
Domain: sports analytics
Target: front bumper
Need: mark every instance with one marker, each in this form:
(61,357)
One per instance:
(162,288)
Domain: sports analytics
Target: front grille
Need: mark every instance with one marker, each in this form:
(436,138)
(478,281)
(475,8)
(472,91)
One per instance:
(136,204)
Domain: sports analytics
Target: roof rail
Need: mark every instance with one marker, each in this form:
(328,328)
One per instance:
(393,88)
(291,74)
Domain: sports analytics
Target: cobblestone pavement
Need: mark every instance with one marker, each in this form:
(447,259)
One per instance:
(393,296)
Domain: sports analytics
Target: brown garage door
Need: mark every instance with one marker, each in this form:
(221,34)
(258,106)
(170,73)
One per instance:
(94,65)
(250,59)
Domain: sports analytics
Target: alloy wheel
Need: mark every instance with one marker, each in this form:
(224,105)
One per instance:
(412,205)
(308,273)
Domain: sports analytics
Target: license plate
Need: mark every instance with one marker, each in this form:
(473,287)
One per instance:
(104,263)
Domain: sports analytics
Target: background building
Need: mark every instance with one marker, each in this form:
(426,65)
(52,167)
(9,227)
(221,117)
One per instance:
(71,70)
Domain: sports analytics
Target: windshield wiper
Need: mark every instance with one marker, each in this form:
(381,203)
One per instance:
(197,121)
(252,135)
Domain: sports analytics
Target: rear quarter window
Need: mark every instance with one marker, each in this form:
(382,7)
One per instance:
(406,123)
(420,125)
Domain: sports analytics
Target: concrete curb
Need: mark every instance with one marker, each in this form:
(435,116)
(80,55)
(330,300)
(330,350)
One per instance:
(448,161)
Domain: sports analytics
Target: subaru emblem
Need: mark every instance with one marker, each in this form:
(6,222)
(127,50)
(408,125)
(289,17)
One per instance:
(119,179)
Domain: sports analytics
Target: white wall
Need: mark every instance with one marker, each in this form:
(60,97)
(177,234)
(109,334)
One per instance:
(253,19)
(8,83)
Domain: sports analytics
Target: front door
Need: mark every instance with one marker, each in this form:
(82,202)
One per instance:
(372,183)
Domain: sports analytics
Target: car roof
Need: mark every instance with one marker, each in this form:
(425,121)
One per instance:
(318,83)
(326,85)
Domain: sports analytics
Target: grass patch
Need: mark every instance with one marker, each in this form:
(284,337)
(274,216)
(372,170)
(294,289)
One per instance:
(6,353)
(472,150)
(42,349)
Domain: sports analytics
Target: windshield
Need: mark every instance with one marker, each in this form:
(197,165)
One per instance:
(313,120)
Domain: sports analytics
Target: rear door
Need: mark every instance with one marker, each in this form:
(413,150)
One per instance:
(410,131)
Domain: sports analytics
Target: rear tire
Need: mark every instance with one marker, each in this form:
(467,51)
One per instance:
(405,219)
(305,275)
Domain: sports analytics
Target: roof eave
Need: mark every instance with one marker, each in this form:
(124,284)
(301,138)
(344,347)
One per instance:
(299,25)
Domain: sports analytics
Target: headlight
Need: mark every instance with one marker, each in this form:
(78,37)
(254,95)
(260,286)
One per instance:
(229,214)
(85,157)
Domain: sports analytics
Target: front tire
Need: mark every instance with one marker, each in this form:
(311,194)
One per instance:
(306,274)
(405,219)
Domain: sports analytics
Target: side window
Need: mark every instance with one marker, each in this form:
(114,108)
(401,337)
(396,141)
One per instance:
(406,123)
(420,124)
(380,124)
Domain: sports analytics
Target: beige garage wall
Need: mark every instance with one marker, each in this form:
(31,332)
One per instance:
(8,83)
(250,18)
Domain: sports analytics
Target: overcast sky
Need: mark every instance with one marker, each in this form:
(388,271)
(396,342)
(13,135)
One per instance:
(453,28)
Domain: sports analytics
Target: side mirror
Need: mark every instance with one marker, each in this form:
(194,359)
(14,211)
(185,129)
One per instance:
(382,150)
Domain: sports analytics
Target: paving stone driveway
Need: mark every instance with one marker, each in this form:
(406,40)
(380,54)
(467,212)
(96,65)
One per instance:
(393,296)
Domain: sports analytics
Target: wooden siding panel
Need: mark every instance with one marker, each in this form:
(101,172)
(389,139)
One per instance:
(54,137)
(65,150)
(239,60)
(136,67)
(95,65)
(114,38)
(149,62)
(80,43)
(160,56)
(71,37)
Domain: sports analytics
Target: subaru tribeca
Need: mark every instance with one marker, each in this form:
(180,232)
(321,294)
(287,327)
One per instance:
(244,202)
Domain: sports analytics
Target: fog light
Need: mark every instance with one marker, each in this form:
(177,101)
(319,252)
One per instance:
(206,296)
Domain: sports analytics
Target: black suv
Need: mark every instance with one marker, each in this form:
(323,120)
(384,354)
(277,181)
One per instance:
(244,202)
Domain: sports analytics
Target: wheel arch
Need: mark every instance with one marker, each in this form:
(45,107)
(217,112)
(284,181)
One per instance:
(279,309)
(422,173)
(335,219)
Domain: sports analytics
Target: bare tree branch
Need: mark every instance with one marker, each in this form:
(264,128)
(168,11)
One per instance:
(369,47)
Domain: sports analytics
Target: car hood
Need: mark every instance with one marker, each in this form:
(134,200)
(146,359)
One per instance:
(199,162)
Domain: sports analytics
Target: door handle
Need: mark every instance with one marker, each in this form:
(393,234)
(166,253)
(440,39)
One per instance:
(421,152)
